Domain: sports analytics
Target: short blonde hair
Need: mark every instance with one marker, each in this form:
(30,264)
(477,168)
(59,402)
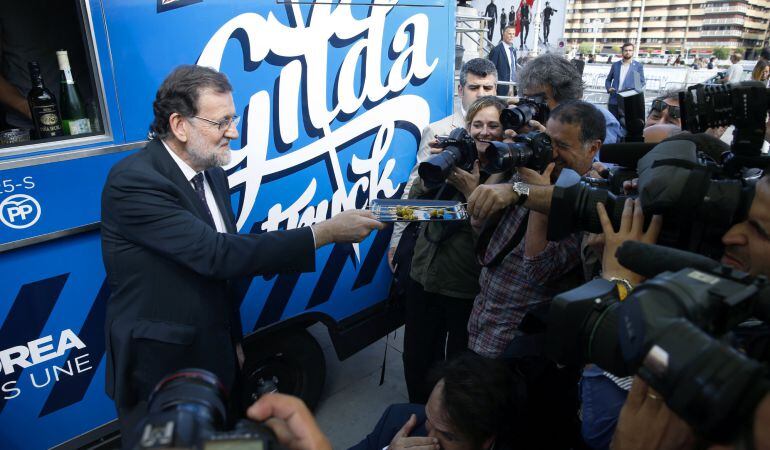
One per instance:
(481,103)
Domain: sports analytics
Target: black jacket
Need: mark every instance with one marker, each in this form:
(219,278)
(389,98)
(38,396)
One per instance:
(170,271)
(500,60)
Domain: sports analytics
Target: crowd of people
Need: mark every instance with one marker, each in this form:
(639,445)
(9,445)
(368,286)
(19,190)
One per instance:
(511,272)
(477,292)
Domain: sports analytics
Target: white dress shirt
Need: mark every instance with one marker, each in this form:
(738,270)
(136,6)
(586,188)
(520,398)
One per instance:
(510,63)
(623,74)
(189,173)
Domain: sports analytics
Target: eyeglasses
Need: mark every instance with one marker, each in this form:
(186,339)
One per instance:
(222,125)
(660,106)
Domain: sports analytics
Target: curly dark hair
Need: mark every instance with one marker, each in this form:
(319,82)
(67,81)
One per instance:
(179,93)
(555,71)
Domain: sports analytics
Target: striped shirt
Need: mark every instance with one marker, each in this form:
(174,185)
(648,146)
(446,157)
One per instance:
(515,285)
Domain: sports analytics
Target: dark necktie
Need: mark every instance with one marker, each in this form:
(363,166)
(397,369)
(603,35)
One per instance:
(197,182)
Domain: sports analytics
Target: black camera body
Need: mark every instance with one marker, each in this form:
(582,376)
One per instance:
(532,150)
(517,116)
(187,409)
(459,151)
(665,331)
(698,200)
(700,195)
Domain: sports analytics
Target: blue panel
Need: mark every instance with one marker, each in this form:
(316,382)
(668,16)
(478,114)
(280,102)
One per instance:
(54,399)
(43,199)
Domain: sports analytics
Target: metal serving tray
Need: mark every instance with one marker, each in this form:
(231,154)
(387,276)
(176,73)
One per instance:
(397,210)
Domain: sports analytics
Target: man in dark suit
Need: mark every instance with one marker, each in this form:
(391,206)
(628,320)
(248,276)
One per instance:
(624,75)
(524,19)
(503,56)
(171,248)
(491,13)
(477,404)
(548,12)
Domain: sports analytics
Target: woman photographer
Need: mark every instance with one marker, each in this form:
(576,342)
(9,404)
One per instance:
(444,272)
(761,71)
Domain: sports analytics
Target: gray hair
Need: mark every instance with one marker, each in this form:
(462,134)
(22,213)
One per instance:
(480,67)
(671,94)
(179,93)
(554,71)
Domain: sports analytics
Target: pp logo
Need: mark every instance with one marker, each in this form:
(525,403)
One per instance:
(19,211)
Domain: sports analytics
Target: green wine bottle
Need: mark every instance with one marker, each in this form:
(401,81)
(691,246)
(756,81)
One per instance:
(73,111)
(42,105)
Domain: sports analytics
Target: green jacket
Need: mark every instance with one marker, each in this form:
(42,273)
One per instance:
(448,267)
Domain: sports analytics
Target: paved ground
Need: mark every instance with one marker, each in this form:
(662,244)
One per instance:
(353,400)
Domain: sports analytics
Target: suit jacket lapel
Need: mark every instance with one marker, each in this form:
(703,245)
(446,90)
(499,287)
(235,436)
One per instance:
(168,167)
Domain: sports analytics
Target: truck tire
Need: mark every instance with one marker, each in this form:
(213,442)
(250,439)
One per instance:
(292,361)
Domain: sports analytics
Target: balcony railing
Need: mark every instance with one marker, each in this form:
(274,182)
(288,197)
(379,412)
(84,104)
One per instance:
(724,21)
(725,9)
(721,33)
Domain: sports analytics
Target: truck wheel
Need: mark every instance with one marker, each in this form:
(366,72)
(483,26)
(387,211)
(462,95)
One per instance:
(291,362)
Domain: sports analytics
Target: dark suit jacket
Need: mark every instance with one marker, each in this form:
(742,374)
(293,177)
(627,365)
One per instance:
(169,273)
(613,79)
(391,421)
(500,60)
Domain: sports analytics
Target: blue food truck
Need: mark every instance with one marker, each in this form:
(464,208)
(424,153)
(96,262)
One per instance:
(333,97)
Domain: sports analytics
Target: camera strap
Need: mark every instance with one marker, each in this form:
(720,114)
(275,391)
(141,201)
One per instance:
(486,237)
(447,192)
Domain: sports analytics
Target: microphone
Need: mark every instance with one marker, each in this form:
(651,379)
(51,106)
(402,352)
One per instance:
(650,260)
(624,155)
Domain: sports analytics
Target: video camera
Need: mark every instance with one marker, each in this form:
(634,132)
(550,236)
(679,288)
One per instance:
(187,409)
(663,332)
(700,195)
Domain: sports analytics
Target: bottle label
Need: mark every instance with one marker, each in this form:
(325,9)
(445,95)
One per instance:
(48,123)
(75,127)
(68,76)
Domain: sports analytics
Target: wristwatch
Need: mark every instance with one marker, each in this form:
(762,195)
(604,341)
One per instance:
(522,189)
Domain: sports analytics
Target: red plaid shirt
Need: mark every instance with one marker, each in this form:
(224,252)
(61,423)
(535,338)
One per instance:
(515,285)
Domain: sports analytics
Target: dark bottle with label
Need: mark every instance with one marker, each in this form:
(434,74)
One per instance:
(42,105)
(73,111)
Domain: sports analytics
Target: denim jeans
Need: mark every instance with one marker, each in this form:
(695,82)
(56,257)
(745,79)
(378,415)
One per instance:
(602,400)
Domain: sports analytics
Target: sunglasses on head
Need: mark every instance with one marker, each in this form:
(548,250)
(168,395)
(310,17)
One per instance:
(659,106)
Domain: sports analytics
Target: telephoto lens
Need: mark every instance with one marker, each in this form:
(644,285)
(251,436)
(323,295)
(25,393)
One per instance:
(528,108)
(532,150)
(459,151)
(188,409)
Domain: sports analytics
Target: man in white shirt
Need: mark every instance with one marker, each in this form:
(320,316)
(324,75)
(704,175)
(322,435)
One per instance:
(503,56)
(624,75)
(478,78)
(735,73)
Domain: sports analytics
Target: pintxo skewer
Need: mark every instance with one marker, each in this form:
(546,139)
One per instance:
(395,210)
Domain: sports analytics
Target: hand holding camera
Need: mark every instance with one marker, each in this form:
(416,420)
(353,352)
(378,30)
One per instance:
(631,229)
(463,181)
(646,422)
(488,199)
(291,421)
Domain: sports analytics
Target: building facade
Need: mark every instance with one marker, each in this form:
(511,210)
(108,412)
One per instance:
(674,26)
